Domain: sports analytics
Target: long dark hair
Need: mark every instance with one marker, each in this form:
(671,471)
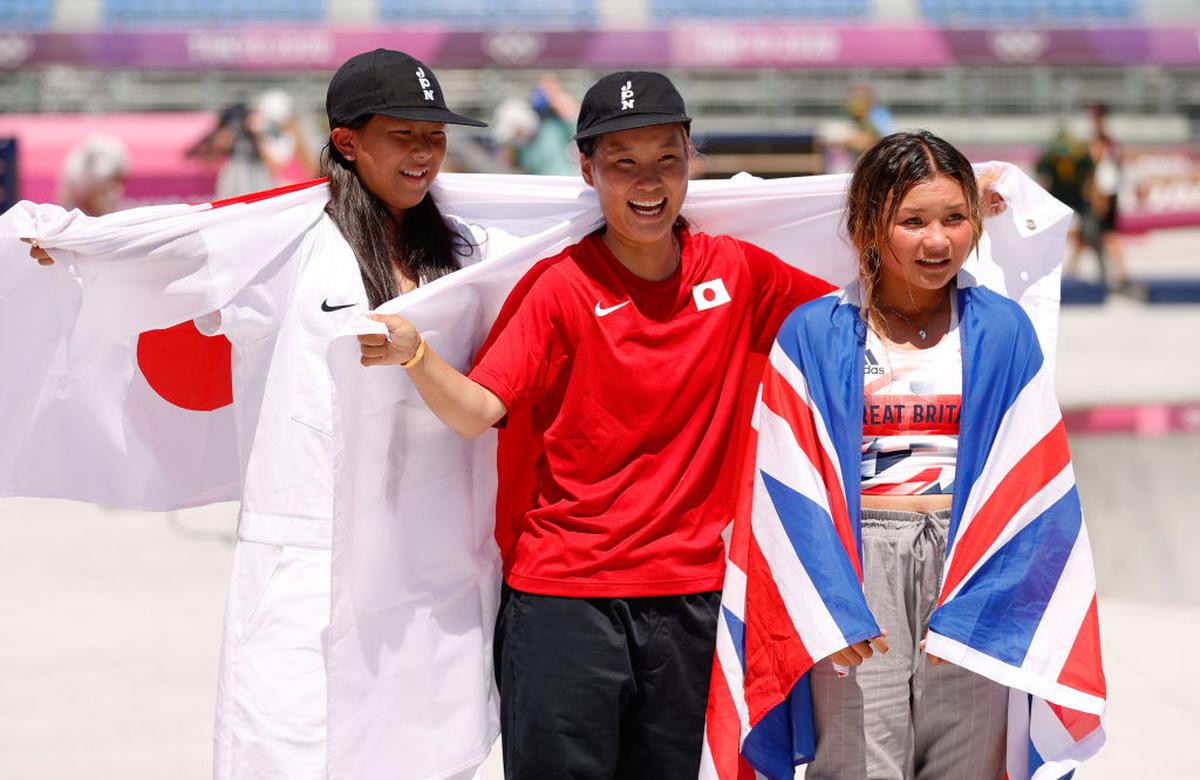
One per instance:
(423,245)
(883,175)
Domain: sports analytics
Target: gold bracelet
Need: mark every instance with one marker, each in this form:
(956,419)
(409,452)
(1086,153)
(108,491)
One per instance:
(416,358)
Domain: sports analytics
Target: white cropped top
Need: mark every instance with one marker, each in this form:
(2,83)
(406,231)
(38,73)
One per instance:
(912,399)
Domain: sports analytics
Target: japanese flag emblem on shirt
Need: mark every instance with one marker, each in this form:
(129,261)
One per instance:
(709,295)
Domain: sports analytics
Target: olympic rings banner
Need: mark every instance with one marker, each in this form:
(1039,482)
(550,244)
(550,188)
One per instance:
(694,44)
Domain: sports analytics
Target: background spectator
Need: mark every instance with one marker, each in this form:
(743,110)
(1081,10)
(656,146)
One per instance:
(92,177)
(536,134)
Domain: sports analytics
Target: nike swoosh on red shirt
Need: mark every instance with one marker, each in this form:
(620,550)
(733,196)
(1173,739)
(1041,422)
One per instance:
(603,312)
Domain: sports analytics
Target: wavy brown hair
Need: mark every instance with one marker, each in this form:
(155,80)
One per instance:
(883,175)
(423,247)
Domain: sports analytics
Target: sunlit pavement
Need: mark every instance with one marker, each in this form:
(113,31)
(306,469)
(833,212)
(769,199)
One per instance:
(111,623)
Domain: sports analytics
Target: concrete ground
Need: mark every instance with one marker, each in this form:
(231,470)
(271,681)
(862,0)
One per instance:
(110,621)
(111,625)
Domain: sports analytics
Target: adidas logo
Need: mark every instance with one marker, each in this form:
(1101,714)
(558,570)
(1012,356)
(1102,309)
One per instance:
(872,366)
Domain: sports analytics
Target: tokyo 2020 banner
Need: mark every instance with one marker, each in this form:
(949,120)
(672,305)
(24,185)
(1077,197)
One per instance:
(695,44)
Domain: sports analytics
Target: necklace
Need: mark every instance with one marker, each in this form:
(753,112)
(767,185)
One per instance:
(911,319)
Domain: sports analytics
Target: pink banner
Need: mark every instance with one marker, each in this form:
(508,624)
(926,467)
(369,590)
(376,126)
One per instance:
(1175,46)
(687,44)
(1144,420)
(708,45)
(1161,188)
(155,144)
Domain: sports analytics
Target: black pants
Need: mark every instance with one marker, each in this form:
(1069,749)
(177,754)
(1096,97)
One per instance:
(602,688)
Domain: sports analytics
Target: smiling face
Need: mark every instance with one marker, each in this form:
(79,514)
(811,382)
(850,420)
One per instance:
(641,179)
(396,159)
(928,240)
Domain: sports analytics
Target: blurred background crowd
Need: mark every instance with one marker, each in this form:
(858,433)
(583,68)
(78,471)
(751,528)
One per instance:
(108,104)
(115,103)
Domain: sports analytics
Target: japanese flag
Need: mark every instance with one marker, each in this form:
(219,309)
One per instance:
(710,295)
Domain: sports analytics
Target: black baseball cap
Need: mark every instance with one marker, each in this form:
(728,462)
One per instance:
(390,83)
(629,99)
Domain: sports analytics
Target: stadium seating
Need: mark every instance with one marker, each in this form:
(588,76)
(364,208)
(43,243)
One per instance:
(40,14)
(161,12)
(950,12)
(26,14)
(664,10)
(487,12)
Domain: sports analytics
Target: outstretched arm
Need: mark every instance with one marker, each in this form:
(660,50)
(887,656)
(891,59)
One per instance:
(155,266)
(564,105)
(467,407)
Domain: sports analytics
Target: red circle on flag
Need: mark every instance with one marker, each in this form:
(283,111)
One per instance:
(710,294)
(187,368)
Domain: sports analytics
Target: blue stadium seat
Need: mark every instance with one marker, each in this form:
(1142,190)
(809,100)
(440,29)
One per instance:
(1049,12)
(537,12)
(25,14)
(135,12)
(760,9)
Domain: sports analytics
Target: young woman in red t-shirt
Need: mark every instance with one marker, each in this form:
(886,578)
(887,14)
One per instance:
(625,355)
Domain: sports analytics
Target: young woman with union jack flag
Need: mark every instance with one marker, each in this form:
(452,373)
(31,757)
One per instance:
(913,482)
(913,211)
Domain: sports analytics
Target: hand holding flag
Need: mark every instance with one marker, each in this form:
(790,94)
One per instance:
(397,346)
(37,253)
(858,652)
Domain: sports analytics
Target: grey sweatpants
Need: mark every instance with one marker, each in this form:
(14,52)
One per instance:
(896,717)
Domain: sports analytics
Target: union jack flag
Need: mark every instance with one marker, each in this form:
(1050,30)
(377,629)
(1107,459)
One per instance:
(1017,602)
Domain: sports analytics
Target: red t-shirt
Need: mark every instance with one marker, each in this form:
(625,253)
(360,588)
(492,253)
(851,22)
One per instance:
(631,390)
